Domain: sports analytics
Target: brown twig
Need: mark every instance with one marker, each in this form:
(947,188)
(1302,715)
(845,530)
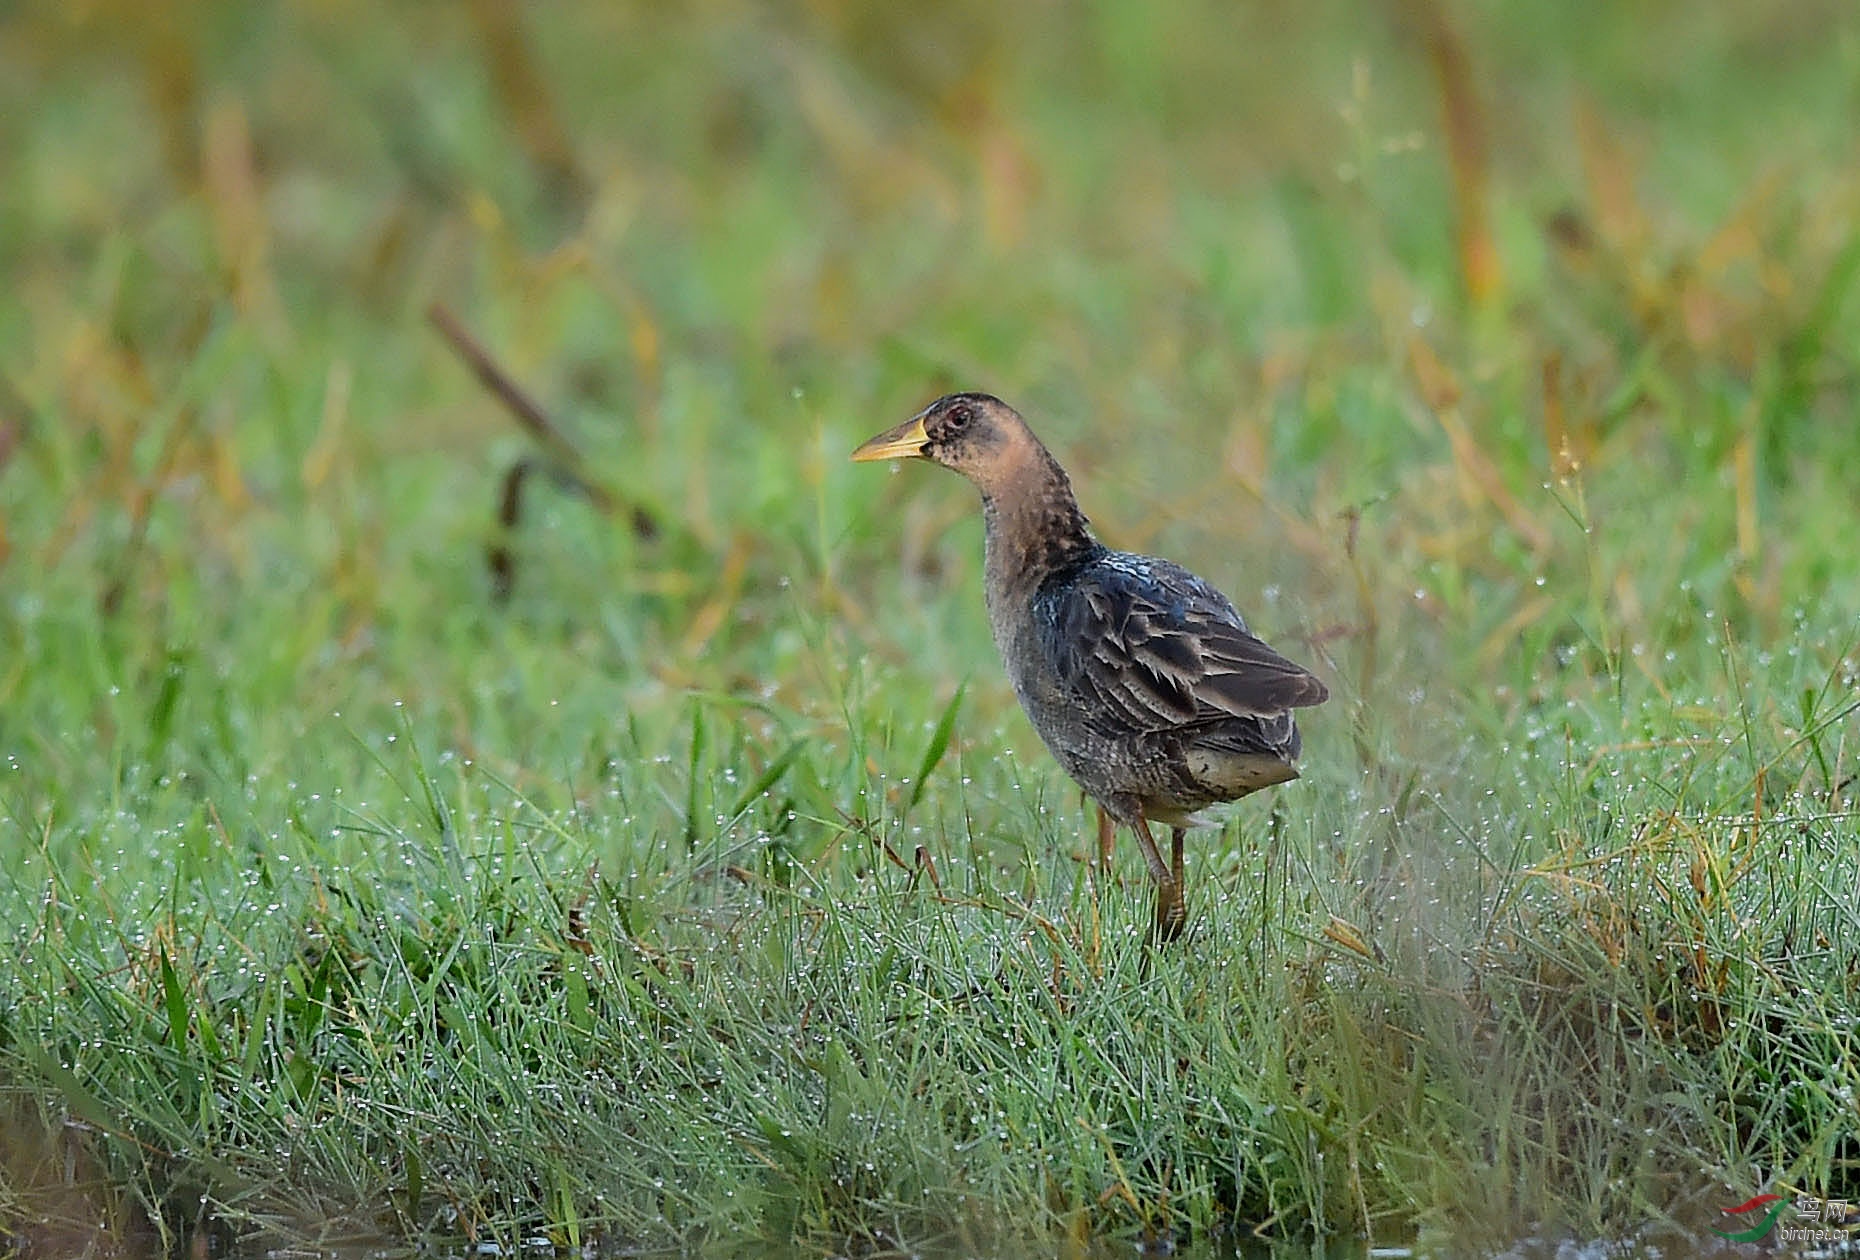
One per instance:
(510,513)
(533,418)
(561,464)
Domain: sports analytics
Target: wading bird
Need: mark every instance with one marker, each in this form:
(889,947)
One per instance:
(1142,679)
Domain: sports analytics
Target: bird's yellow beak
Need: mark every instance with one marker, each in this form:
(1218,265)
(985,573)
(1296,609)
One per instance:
(907,441)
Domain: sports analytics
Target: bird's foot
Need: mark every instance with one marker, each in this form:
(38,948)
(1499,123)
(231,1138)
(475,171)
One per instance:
(1171,912)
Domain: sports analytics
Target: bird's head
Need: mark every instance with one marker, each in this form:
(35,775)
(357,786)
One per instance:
(977,435)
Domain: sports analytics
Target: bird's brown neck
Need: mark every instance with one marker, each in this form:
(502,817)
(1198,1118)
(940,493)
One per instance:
(1033,524)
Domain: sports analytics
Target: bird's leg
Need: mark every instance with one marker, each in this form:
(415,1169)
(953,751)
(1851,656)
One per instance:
(1152,857)
(1107,840)
(1169,911)
(1169,922)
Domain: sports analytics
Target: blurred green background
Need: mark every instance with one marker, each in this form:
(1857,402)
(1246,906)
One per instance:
(1216,252)
(1498,359)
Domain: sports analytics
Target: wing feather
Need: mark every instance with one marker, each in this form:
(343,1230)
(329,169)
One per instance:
(1149,647)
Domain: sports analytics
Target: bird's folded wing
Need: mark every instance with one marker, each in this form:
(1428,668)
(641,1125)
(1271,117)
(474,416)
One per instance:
(1155,648)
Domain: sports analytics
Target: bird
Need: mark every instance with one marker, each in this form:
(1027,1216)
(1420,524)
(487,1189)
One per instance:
(1142,679)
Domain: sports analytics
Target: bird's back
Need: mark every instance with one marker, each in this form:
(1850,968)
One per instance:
(1148,683)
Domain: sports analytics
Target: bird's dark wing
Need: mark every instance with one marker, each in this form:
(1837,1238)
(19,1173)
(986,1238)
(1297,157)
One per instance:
(1147,646)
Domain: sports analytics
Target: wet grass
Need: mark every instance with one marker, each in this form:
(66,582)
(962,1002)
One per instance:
(711,885)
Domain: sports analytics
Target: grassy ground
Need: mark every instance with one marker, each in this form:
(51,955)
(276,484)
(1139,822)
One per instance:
(712,885)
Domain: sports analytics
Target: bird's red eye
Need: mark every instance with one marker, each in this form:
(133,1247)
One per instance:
(958,419)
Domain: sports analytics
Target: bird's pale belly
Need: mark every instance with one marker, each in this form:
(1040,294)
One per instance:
(1168,782)
(1167,775)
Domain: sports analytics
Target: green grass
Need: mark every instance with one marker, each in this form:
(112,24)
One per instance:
(713,887)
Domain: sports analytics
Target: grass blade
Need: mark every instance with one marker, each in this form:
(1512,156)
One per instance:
(768,778)
(938,745)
